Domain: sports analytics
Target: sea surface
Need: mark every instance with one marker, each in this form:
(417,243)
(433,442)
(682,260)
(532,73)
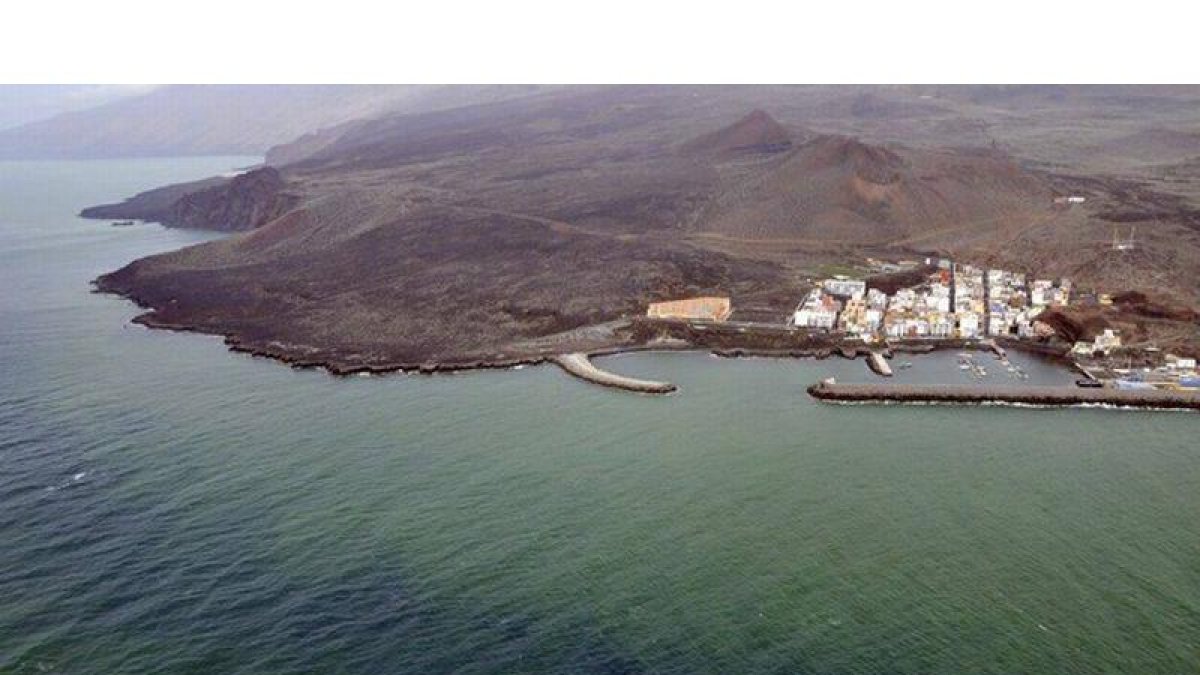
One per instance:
(169,507)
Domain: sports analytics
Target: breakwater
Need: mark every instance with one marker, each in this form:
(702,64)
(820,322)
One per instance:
(1029,395)
(579,365)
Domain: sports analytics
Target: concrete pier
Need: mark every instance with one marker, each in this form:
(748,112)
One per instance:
(879,364)
(1029,395)
(579,365)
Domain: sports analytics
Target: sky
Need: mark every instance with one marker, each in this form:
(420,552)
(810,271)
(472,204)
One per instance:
(23,103)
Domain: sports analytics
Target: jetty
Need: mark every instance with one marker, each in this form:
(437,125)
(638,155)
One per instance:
(579,365)
(879,364)
(1027,395)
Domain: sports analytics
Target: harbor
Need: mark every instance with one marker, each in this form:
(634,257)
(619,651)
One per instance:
(1034,395)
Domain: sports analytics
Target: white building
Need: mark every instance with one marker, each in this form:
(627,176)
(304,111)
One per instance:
(847,288)
(1180,362)
(968,325)
(941,325)
(819,310)
(938,302)
(1107,341)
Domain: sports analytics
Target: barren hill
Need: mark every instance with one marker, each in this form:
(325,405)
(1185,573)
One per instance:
(458,236)
(1157,144)
(757,132)
(839,189)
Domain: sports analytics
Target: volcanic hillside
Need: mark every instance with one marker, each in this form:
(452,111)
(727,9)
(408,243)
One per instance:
(459,235)
(757,132)
(835,188)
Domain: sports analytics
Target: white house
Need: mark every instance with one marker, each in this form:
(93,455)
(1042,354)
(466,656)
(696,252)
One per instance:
(941,325)
(819,310)
(1180,362)
(968,325)
(848,288)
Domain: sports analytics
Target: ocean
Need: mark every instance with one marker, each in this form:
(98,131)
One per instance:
(167,506)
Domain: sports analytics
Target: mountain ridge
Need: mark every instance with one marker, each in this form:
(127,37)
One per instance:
(639,195)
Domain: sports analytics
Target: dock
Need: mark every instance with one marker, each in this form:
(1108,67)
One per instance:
(579,365)
(1027,395)
(879,364)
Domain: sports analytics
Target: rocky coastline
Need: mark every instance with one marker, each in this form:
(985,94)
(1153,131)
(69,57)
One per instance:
(631,337)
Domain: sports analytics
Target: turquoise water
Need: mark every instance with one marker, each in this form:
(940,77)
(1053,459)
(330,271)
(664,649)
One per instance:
(169,507)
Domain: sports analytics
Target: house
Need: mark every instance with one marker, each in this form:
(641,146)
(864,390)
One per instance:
(997,325)
(1040,291)
(858,319)
(1180,363)
(893,325)
(968,325)
(818,310)
(941,325)
(845,287)
(937,302)
(1106,341)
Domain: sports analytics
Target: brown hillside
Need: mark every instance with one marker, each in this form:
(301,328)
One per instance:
(461,234)
(836,188)
(757,132)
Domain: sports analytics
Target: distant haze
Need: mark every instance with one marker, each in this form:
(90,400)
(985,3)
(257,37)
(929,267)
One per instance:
(24,103)
(107,121)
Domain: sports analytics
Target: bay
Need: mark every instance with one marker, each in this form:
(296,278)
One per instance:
(169,507)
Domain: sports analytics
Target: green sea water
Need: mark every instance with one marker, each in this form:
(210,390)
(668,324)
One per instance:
(169,507)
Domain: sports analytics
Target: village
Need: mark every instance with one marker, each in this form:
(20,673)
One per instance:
(956,301)
(950,303)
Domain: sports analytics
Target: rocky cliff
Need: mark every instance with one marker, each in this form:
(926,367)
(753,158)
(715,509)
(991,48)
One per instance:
(243,202)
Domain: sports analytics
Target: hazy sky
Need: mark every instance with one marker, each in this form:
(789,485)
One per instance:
(21,103)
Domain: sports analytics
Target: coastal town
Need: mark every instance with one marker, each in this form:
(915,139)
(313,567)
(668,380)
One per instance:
(955,301)
(946,303)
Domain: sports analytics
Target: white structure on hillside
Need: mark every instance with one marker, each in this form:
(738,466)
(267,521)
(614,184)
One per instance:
(1180,362)
(845,287)
(819,310)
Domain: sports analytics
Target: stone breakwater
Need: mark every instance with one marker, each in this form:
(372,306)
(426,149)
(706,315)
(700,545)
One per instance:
(579,365)
(1028,395)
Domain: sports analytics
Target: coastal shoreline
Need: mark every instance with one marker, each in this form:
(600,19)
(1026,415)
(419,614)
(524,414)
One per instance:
(820,347)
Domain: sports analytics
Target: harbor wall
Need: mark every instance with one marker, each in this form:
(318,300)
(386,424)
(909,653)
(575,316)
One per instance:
(580,365)
(1031,395)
